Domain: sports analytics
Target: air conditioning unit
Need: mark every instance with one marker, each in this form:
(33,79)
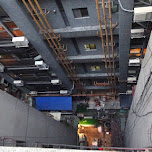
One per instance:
(129,92)
(41,65)
(63,91)
(132,79)
(137,33)
(142,14)
(131,71)
(134,62)
(20,41)
(1,67)
(33,93)
(18,83)
(56,81)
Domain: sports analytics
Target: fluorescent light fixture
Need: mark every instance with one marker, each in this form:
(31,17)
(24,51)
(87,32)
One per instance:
(132,79)
(63,91)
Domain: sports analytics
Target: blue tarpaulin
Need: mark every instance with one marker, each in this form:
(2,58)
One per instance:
(125,100)
(54,103)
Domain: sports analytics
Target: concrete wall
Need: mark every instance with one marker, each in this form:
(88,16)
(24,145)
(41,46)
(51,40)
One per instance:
(22,122)
(139,124)
(91,20)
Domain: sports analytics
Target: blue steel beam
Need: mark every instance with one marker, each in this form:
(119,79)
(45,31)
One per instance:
(94,75)
(125,24)
(17,12)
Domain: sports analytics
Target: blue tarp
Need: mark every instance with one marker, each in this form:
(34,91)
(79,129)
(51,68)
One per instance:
(54,103)
(125,100)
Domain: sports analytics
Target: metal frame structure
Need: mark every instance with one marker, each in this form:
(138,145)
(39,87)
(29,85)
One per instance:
(54,43)
(112,68)
(75,62)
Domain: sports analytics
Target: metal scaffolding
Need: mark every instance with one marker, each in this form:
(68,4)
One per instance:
(107,51)
(53,42)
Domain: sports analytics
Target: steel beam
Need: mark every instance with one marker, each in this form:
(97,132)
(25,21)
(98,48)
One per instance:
(12,50)
(6,29)
(16,10)
(39,83)
(94,75)
(11,80)
(86,31)
(21,68)
(125,24)
(7,45)
(49,83)
(97,87)
(88,58)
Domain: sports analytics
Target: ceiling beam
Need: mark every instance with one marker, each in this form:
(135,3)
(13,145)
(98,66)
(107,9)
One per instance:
(94,75)
(18,13)
(85,31)
(12,50)
(39,83)
(88,58)
(22,68)
(125,24)
(97,87)
(49,83)
(6,29)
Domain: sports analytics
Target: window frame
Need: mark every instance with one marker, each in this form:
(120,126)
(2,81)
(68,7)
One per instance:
(90,48)
(80,9)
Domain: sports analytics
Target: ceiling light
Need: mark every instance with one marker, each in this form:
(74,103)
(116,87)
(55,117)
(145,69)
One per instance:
(107,133)
(56,81)
(63,91)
